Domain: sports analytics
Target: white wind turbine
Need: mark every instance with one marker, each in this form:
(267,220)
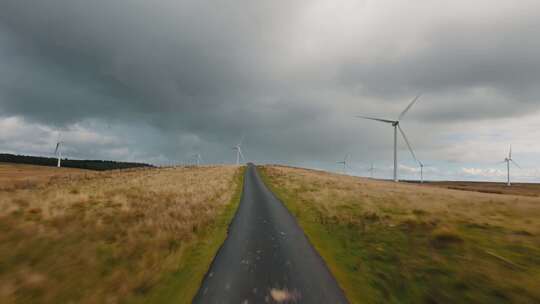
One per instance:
(344,163)
(198,158)
(509,160)
(58,151)
(422,165)
(239,154)
(395,124)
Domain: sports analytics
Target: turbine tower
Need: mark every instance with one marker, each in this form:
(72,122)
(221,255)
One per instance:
(344,163)
(239,154)
(509,160)
(395,124)
(58,151)
(371,170)
(422,165)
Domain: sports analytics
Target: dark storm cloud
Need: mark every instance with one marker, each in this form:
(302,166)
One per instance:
(185,76)
(165,56)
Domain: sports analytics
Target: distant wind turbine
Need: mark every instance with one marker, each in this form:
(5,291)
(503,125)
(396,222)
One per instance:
(422,165)
(239,154)
(395,124)
(371,170)
(58,151)
(509,160)
(344,163)
(198,158)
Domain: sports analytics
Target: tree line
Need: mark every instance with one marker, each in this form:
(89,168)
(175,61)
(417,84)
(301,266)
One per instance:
(99,165)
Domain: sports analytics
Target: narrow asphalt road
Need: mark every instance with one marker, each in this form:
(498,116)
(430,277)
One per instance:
(266,257)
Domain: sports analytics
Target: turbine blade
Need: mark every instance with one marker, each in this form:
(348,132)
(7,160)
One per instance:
(241,155)
(510,153)
(57,147)
(241,140)
(408,144)
(515,163)
(377,119)
(408,107)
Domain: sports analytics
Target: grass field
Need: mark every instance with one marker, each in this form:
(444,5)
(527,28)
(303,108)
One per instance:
(140,235)
(15,176)
(407,243)
(527,189)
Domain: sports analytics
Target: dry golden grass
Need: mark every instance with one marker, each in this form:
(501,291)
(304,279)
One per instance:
(489,187)
(18,176)
(407,243)
(110,236)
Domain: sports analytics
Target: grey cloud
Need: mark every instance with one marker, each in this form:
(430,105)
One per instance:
(177,77)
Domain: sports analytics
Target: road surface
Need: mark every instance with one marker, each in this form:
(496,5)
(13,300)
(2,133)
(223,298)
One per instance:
(266,257)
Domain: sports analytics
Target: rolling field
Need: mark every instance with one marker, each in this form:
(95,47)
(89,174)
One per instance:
(18,176)
(526,189)
(138,235)
(407,243)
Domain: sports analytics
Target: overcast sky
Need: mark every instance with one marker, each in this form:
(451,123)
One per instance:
(157,81)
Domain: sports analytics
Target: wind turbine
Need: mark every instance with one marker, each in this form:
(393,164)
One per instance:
(422,165)
(58,151)
(198,158)
(509,160)
(239,154)
(371,170)
(344,163)
(395,124)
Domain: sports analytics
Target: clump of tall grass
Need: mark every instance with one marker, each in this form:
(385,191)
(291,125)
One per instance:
(445,236)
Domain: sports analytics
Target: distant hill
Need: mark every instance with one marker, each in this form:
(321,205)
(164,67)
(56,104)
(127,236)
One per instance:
(99,165)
